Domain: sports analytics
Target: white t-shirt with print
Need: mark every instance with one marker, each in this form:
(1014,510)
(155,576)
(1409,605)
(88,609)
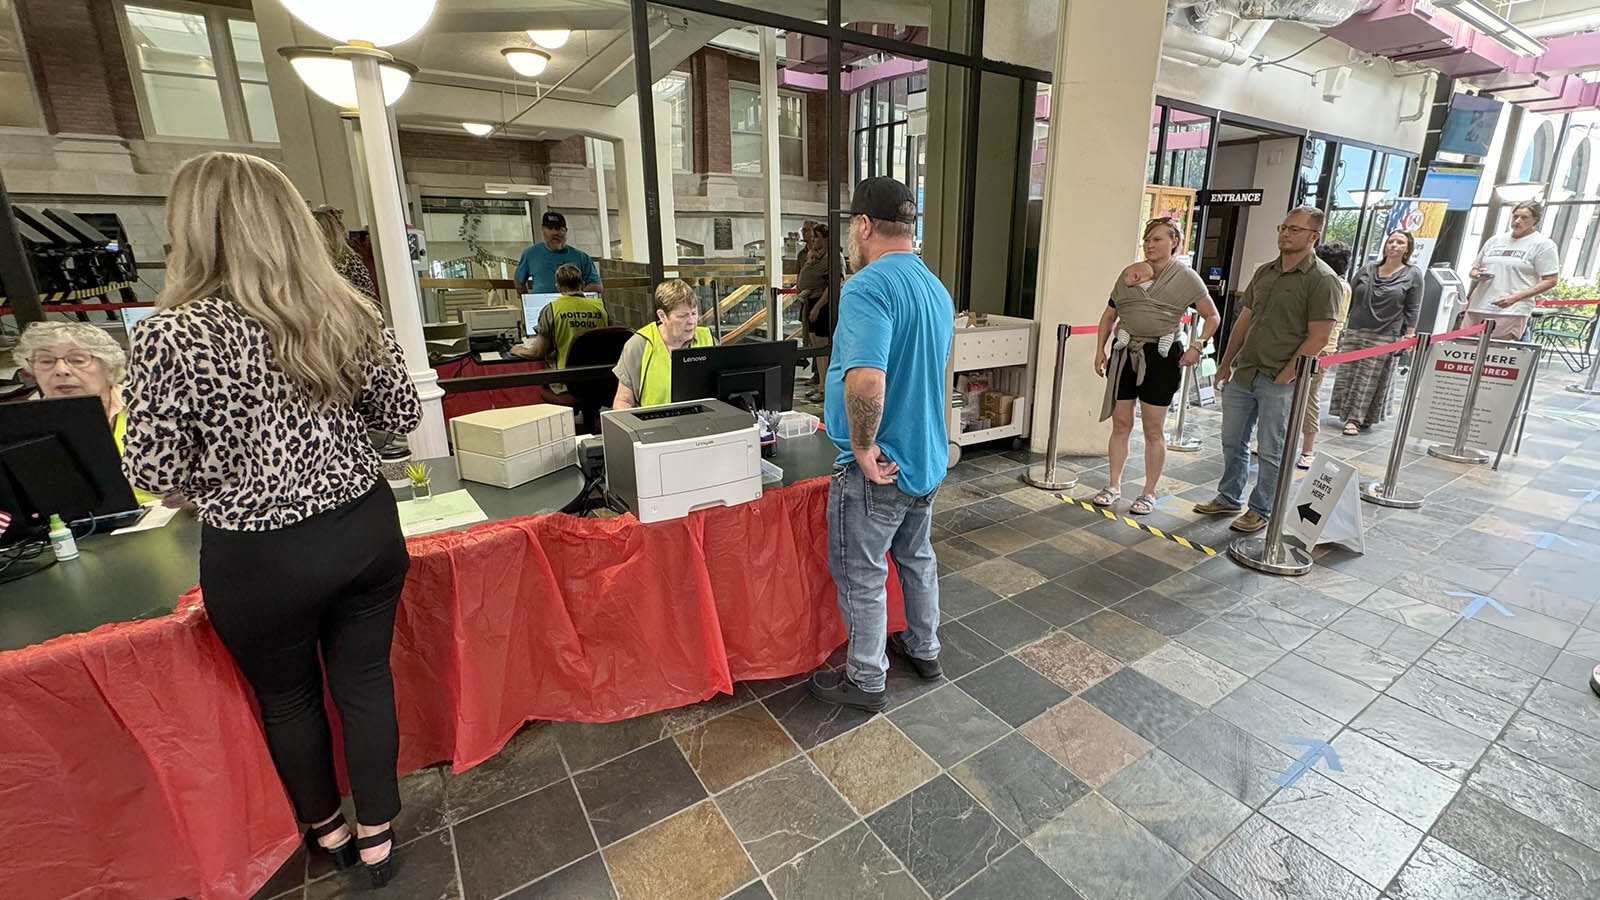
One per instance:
(1516,264)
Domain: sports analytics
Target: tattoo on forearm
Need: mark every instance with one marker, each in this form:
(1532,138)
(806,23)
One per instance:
(865,414)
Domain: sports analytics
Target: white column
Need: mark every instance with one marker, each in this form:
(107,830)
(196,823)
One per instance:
(389,231)
(667,199)
(772,168)
(592,149)
(1105,73)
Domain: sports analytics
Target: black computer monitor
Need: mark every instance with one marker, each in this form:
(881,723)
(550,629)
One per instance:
(57,457)
(755,375)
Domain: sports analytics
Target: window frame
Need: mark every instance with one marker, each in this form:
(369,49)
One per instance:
(229,84)
(687,125)
(801,137)
(33,88)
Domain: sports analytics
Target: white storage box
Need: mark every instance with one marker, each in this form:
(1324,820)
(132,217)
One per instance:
(510,432)
(521,468)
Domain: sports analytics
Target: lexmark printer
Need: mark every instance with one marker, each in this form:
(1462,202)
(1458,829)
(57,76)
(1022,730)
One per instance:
(666,461)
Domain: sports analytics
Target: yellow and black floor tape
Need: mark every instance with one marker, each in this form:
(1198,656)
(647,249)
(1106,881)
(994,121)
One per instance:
(1135,523)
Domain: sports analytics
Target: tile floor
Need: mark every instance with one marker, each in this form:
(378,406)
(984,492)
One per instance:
(1116,717)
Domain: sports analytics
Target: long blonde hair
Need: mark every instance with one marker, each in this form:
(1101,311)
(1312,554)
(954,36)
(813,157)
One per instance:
(330,222)
(241,231)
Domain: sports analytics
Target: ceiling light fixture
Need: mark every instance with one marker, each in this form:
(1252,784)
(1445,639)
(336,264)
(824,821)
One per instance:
(532,190)
(551,38)
(1486,20)
(527,62)
(377,22)
(333,78)
(1368,199)
(478,129)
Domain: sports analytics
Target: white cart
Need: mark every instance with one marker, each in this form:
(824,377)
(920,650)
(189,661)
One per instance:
(1005,347)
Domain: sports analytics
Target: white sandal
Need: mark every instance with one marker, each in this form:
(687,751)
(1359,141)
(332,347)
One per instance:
(1107,496)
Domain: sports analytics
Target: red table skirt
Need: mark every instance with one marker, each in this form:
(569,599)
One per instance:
(132,762)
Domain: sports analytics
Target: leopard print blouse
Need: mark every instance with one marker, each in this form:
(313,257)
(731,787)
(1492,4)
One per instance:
(212,415)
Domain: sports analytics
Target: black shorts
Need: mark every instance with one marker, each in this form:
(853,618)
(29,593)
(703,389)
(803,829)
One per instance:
(823,326)
(1162,376)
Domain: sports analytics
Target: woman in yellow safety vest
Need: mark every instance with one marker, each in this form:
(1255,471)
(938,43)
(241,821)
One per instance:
(644,373)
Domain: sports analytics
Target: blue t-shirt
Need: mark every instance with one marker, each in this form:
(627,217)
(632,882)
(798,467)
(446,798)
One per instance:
(539,263)
(896,316)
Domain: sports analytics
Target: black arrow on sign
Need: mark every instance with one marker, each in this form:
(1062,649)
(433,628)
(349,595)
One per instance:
(1308,514)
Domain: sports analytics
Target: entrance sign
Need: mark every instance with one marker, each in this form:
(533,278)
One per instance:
(1326,507)
(1235,197)
(1506,367)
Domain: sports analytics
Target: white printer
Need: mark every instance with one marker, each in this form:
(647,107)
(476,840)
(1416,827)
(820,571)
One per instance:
(667,461)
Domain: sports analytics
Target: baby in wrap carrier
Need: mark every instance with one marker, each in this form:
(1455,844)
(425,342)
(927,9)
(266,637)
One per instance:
(1137,279)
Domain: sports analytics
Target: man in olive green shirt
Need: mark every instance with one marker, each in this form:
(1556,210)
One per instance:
(1289,309)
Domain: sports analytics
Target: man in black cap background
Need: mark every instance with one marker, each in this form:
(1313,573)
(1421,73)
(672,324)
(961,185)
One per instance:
(885,409)
(536,270)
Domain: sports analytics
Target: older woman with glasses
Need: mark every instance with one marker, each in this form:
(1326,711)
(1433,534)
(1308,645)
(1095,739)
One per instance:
(77,359)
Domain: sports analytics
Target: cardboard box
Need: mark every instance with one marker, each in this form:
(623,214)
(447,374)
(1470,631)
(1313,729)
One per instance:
(504,433)
(996,407)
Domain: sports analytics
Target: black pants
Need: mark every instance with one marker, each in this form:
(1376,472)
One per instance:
(329,583)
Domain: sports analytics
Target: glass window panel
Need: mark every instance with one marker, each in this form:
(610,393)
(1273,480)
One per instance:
(1188,142)
(863,102)
(1341,225)
(746,153)
(880,154)
(744,109)
(792,157)
(880,104)
(1394,174)
(1591,242)
(185,107)
(897,97)
(863,143)
(949,18)
(1351,174)
(258,110)
(791,115)
(169,41)
(247,50)
(673,89)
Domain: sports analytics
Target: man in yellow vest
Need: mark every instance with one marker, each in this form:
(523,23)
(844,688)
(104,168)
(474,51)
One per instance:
(562,320)
(644,373)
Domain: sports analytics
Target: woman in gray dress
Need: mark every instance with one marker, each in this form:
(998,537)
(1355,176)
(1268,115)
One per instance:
(1386,296)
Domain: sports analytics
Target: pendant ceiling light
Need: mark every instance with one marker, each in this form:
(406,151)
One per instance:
(478,129)
(552,38)
(529,63)
(377,22)
(333,78)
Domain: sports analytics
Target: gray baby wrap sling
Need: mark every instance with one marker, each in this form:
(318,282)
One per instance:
(1147,314)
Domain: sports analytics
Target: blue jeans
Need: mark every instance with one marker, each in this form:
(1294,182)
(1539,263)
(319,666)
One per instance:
(1243,406)
(867,521)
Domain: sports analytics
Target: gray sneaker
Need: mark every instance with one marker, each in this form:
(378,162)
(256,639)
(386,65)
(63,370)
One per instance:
(837,689)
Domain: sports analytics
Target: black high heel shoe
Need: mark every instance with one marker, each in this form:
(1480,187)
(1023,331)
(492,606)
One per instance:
(344,855)
(383,870)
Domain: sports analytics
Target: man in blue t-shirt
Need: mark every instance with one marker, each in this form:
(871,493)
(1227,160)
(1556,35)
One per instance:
(886,397)
(536,270)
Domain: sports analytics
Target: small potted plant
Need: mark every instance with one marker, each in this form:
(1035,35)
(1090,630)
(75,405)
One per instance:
(421,489)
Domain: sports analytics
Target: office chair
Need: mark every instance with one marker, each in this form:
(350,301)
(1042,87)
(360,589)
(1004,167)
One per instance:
(600,347)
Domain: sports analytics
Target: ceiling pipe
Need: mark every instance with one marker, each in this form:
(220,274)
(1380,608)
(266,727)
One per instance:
(1198,49)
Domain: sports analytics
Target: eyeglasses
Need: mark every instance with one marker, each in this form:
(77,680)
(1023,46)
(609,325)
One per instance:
(1295,229)
(41,362)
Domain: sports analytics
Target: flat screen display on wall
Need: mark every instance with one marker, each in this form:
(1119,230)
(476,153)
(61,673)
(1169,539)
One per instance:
(1469,128)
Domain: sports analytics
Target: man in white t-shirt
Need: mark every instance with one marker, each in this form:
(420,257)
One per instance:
(1512,269)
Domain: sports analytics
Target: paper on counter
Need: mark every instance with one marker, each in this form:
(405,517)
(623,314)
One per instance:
(157,517)
(452,509)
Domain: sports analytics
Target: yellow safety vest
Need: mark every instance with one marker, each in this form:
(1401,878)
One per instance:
(573,316)
(655,369)
(119,430)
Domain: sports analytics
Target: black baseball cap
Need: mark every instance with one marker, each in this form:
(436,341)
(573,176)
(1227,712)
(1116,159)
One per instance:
(883,198)
(553,220)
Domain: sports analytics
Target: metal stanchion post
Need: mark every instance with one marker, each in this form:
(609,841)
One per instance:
(1388,492)
(1045,476)
(1180,441)
(1460,452)
(1588,386)
(1270,553)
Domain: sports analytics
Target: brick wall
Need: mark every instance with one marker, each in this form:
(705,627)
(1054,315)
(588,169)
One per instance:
(708,82)
(79,67)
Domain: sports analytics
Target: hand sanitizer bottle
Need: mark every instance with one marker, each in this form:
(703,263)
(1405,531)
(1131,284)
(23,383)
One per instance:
(61,540)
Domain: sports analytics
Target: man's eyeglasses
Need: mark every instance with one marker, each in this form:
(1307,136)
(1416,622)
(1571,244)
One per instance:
(41,362)
(1294,229)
